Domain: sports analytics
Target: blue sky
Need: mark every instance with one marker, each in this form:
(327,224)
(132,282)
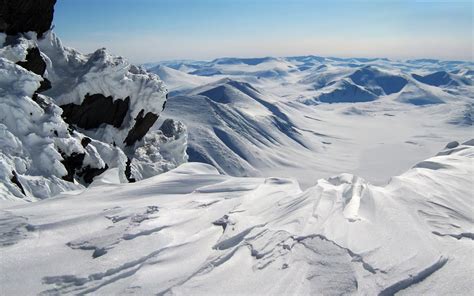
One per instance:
(153,30)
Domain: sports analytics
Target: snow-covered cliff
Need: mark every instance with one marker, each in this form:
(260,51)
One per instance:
(66,117)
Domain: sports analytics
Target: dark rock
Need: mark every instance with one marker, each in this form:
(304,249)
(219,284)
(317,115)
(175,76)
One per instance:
(20,16)
(141,127)
(168,128)
(99,252)
(34,97)
(88,174)
(95,110)
(15,181)
(85,141)
(223,222)
(452,145)
(33,61)
(74,166)
(44,102)
(44,86)
(72,163)
(128,171)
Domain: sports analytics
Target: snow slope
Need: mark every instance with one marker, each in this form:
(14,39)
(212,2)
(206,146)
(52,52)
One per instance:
(194,231)
(319,116)
(178,80)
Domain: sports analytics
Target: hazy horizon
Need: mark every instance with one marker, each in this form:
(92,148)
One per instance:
(150,31)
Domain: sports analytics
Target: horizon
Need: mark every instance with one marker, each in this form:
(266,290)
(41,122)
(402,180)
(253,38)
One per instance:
(307,55)
(152,31)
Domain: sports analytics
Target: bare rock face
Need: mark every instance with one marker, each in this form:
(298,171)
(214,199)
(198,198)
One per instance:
(141,127)
(20,16)
(95,110)
(35,63)
(170,128)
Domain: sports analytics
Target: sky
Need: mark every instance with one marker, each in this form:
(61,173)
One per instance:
(156,30)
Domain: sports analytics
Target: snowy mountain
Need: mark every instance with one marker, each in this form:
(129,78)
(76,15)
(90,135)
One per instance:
(178,80)
(295,122)
(306,175)
(194,231)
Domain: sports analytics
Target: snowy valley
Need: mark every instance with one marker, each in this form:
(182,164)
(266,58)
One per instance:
(300,175)
(312,117)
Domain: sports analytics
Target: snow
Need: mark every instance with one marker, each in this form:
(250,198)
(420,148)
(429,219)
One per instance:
(319,116)
(177,80)
(36,141)
(160,153)
(73,75)
(305,177)
(28,142)
(194,231)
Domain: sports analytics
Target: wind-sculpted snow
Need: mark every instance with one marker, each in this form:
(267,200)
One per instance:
(194,231)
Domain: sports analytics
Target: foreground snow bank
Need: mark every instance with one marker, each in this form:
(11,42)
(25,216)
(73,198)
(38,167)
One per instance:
(193,231)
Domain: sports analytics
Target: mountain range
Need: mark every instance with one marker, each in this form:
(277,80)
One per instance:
(298,175)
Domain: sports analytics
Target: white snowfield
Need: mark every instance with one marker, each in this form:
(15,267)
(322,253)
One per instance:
(192,231)
(313,117)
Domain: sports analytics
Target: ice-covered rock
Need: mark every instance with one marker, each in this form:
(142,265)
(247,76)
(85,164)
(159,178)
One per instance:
(85,85)
(36,144)
(67,117)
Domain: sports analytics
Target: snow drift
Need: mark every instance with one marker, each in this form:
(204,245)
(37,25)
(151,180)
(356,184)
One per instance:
(192,230)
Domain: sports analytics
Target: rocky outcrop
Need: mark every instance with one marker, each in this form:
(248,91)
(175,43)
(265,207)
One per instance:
(35,63)
(88,173)
(20,16)
(141,127)
(128,171)
(15,181)
(67,117)
(96,110)
(85,141)
(104,96)
(77,170)
(170,128)
(72,163)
